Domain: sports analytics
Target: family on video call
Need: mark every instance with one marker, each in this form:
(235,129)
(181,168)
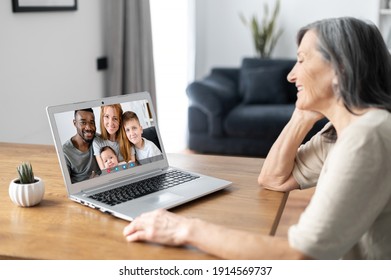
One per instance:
(119,145)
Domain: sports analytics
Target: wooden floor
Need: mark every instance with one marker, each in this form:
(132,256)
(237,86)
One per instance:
(297,202)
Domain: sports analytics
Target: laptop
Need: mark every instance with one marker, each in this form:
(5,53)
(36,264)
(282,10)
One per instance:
(130,188)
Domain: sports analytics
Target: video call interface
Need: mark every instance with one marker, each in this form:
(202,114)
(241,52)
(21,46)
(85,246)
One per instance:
(130,121)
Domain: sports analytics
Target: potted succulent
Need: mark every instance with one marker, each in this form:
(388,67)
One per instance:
(27,190)
(265,35)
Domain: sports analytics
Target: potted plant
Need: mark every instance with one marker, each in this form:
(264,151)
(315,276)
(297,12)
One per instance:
(26,190)
(265,35)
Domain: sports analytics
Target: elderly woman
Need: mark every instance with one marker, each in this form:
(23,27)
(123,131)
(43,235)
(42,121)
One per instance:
(342,73)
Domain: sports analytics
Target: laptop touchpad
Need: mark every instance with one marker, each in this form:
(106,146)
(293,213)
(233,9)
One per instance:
(161,199)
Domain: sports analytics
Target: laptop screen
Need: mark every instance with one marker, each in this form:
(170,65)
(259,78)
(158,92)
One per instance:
(103,141)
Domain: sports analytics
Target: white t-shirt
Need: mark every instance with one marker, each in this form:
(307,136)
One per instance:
(349,215)
(149,150)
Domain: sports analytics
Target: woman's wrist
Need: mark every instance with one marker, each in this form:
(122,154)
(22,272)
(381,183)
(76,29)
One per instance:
(302,123)
(306,119)
(193,228)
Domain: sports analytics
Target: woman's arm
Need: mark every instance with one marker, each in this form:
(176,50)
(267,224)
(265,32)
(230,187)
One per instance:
(132,158)
(97,145)
(276,173)
(100,162)
(167,228)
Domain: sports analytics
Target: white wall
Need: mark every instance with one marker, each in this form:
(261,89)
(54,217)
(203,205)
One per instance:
(223,40)
(46,58)
(50,58)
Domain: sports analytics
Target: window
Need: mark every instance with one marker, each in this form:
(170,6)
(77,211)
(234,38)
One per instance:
(170,31)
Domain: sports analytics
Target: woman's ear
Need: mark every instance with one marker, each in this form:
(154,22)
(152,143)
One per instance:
(335,84)
(335,81)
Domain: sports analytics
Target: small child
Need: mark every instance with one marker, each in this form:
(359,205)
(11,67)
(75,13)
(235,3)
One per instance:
(144,148)
(109,157)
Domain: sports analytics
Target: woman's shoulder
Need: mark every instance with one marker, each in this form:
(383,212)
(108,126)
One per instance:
(98,139)
(371,131)
(374,122)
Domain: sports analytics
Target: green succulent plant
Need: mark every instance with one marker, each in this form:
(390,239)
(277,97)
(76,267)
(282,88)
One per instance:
(25,172)
(265,35)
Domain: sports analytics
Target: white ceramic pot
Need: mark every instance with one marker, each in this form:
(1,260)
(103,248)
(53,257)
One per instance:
(26,195)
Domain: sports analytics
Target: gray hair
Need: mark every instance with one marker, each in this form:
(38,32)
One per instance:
(360,58)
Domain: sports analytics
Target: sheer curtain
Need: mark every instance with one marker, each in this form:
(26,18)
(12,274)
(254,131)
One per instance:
(172,23)
(129,48)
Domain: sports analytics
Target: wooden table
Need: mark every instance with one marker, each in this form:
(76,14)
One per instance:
(59,228)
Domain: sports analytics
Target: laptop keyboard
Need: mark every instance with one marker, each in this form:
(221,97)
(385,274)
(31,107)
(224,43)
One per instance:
(131,191)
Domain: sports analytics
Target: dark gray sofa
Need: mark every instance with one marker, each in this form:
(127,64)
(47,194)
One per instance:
(241,111)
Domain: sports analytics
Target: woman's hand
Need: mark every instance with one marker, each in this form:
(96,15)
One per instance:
(159,226)
(306,116)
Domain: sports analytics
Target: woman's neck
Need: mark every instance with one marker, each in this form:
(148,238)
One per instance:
(341,118)
(112,137)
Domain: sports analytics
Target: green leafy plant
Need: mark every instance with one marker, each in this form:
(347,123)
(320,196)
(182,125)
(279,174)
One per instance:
(265,35)
(26,174)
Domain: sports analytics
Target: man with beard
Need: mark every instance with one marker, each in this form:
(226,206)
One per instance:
(78,151)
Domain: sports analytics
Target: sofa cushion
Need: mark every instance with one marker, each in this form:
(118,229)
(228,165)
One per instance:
(258,121)
(251,64)
(264,85)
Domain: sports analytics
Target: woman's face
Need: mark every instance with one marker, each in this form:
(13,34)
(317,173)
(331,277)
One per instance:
(313,76)
(111,120)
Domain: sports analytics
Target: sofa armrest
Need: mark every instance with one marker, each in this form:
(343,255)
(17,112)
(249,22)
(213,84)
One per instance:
(215,95)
